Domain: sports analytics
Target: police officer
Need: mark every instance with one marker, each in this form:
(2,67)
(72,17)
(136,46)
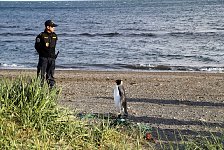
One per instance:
(45,45)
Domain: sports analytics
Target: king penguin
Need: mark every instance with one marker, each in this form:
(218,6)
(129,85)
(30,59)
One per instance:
(120,99)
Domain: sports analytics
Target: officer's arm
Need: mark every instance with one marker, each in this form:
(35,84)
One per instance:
(38,43)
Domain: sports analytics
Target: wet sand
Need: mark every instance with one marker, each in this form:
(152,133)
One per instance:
(187,103)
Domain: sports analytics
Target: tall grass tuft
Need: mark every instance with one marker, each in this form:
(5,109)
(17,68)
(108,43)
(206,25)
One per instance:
(26,103)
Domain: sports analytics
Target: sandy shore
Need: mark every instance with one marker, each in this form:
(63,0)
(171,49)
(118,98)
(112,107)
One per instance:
(187,102)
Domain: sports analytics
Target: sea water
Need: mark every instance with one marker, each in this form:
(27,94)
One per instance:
(175,35)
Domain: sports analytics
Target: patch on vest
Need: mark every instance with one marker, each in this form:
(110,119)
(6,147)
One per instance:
(38,40)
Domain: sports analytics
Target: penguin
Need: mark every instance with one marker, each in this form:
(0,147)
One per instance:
(120,99)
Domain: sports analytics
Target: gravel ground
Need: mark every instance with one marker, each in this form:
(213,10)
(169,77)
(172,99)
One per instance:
(173,103)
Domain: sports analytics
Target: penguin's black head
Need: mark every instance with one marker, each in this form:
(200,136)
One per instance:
(118,82)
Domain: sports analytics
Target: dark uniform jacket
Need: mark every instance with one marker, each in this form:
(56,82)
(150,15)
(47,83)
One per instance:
(45,44)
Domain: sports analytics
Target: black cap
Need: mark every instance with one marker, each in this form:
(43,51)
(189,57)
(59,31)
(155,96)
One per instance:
(50,23)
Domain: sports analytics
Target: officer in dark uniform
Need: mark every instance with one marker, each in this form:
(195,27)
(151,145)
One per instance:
(45,45)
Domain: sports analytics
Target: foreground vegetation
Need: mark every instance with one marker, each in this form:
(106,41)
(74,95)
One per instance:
(31,119)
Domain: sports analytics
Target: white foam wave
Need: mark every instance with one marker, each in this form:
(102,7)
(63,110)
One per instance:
(8,66)
(213,69)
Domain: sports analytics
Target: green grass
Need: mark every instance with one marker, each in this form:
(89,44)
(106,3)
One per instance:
(31,119)
(206,143)
(210,141)
(200,143)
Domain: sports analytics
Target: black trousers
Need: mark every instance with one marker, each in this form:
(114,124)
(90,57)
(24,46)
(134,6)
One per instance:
(46,66)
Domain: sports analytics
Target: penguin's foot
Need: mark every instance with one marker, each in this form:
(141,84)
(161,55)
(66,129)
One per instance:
(126,115)
(119,116)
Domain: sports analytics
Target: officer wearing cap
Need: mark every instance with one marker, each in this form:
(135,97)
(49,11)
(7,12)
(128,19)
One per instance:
(45,46)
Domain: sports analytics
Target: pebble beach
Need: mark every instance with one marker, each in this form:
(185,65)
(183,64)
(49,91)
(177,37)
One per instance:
(172,103)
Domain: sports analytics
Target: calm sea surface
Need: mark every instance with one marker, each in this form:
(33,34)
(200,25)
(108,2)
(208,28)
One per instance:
(176,35)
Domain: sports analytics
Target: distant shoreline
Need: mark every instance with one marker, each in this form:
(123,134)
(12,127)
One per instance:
(113,70)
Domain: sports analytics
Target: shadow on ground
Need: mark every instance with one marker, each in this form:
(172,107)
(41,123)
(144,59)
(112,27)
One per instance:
(171,135)
(171,102)
(175,134)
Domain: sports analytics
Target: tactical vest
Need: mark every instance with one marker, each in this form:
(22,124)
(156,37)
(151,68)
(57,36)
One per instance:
(45,44)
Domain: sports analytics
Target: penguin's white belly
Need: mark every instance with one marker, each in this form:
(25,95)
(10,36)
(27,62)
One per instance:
(117,97)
